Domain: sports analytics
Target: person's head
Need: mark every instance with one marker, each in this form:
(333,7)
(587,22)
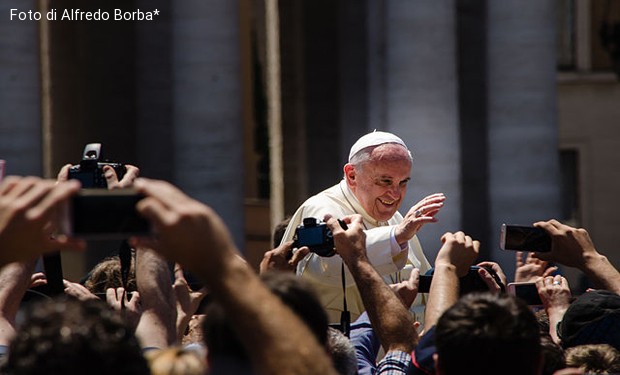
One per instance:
(176,361)
(594,358)
(224,348)
(67,336)
(377,173)
(342,352)
(279,230)
(593,318)
(107,274)
(486,333)
(553,355)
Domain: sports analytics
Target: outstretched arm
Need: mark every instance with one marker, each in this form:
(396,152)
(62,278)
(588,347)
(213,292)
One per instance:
(573,247)
(192,234)
(392,322)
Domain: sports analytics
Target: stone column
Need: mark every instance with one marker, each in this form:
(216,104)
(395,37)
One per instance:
(523,145)
(206,98)
(421,104)
(20,101)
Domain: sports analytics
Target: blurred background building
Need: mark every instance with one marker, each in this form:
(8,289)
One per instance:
(510,107)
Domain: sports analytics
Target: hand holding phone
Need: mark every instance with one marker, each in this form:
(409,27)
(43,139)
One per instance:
(524,238)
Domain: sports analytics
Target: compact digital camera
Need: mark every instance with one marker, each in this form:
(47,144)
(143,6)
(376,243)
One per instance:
(90,170)
(316,235)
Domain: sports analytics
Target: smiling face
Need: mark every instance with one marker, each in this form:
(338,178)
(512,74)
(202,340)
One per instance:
(380,183)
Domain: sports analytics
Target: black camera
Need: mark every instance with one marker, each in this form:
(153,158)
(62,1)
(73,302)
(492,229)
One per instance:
(316,235)
(90,170)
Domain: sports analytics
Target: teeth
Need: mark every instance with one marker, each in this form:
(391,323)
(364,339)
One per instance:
(386,202)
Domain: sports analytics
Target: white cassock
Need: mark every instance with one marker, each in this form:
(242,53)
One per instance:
(392,262)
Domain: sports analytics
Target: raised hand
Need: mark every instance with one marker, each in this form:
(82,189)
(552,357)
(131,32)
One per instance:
(420,214)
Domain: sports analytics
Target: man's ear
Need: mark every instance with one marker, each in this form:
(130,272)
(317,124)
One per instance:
(349,174)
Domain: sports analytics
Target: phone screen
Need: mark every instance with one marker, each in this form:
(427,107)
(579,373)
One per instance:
(523,238)
(525,291)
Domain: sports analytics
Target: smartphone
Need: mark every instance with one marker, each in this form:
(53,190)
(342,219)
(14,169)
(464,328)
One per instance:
(525,291)
(523,238)
(424,284)
(100,214)
(472,282)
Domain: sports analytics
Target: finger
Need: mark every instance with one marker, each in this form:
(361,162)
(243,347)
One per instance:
(63,174)
(132,172)
(549,271)
(8,183)
(427,208)
(333,224)
(540,282)
(36,191)
(167,194)
(178,273)
(110,296)
(489,280)
(110,176)
(519,258)
(468,241)
(57,196)
(327,217)
(299,255)
(476,245)
(414,278)
(156,212)
(446,236)
(120,291)
(460,236)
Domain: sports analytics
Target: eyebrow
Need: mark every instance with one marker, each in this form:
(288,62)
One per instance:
(392,178)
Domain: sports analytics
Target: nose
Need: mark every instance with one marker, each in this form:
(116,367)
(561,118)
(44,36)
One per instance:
(395,191)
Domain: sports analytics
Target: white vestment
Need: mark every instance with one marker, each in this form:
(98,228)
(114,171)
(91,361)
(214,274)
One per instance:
(325,273)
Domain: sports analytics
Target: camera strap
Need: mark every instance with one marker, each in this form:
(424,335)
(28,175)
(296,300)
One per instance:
(345,316)
(124,254)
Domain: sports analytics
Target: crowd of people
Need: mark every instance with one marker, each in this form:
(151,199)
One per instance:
(142,315)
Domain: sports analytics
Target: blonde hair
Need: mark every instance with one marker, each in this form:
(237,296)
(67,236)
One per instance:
(594,358)
(176,361)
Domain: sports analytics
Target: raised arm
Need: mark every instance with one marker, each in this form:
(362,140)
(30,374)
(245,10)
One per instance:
(390,319)
(573,247)
(157,325)
(14,281)
(195,236)
(453,261)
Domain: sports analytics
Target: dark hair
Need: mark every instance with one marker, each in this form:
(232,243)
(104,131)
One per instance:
(220,337)
(279,230)
(495,333)
(67,336)
(553,355)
